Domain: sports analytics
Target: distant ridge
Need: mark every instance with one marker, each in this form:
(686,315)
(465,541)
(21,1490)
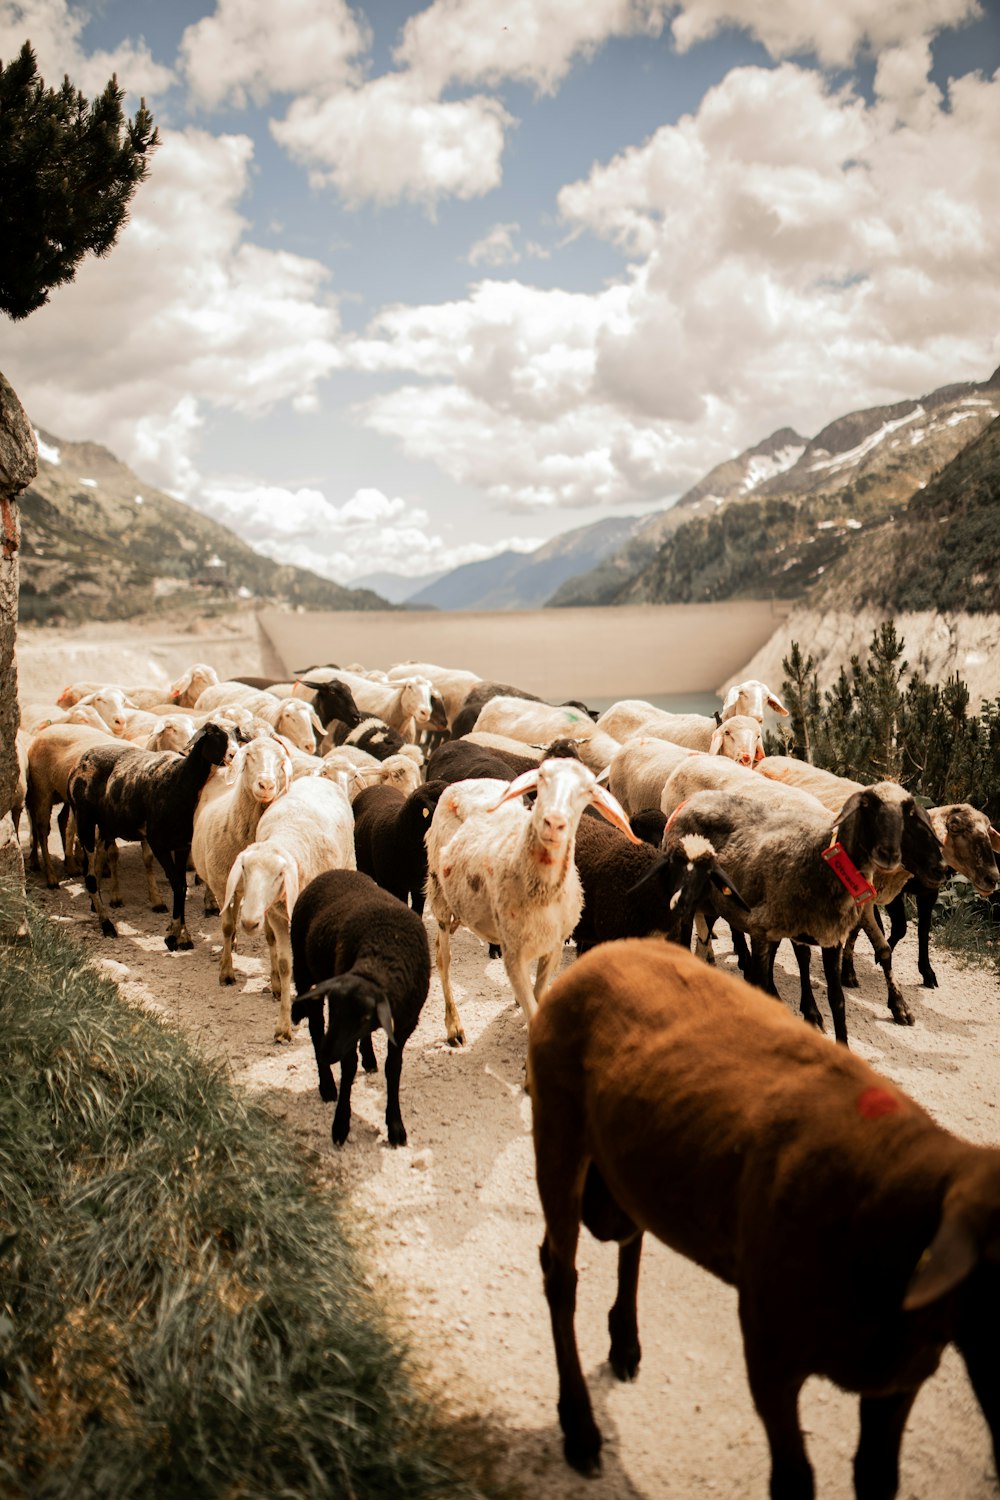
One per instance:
(526,580)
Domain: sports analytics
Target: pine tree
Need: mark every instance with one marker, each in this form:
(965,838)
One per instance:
(800,688)
(68,169)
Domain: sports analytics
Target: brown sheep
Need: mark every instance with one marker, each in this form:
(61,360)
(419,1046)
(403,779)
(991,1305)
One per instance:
(861,1236)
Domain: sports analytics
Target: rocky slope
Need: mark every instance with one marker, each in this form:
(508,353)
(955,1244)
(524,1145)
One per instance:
(99,544)
(778,533)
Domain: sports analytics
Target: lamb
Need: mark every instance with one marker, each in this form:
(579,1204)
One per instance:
(390,829)
(635,716)
(507,873)
(365,954)
(172,732)
(399,771)
(375,738)
(634,890)
(777,847)
(860,1235)
(186,689)
(120,792)
(405,706)
(539,723)
(295,720)
(451,684)
(299,835)
(230,808)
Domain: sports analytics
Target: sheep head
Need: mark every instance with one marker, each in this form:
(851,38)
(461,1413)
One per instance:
(564,788)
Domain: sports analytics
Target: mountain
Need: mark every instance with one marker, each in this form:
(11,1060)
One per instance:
(941,553)
(525,580)
(731,480)
(396,588)
(778,537)
(99,544)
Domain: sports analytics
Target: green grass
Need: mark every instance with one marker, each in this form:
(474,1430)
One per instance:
(967,925)
(181,1311)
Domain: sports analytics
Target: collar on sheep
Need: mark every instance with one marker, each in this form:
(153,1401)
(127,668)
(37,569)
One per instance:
(847,872)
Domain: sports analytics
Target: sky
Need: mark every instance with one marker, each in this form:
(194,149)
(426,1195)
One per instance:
(409,284)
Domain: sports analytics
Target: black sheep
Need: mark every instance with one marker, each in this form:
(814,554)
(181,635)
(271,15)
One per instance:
(458,760)
(360,950)
(634,890)
(389,829)
(333,700)
(121,792)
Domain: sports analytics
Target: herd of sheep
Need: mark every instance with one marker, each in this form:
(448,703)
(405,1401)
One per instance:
(666,1094)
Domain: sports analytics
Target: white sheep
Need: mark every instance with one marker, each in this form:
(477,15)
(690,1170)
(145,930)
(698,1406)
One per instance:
(633,716)
(185,690)
(404,705)
(507,872)
(540,723)
(302,833)
(230,807)
(451,684)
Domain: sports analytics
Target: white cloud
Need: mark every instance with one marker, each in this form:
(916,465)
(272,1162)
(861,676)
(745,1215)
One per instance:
(368,533)
(795,253)
(54,32)
(253,48)
(530,41)
(390,140)
(496,248)
(834,32)
(185,315)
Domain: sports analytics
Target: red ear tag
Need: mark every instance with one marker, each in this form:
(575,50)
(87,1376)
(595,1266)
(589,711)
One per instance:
(848,874)
(873,1102)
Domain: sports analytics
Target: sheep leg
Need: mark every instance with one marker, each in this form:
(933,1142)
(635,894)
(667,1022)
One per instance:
(581,1435)
(760,969)
(230,917)
(876,1462)
(901,1013)
(452,1020)
(174,865)
(926,898)
(393,1118)
(547,965)
(516,968)
(777,1403)
(341,1127)
(623,1322)
(834,992)
(807,1000)
(703,939)
(848,976)
(278,929)
(317,1035)
(742,950)
(368,1059)
(41,820)
(67,832)
(156,901)
(92,881)
(897,918)
(977,1343)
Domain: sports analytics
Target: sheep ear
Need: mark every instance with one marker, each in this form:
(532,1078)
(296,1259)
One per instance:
(994,840)
(715,744)
(612,809)
(314,719)
(235,766)
(383,1014)
(291,886)
(758,753)
(526,782)
(730,698)
(724,884)
(235,876)
(775,702)
(949,1258)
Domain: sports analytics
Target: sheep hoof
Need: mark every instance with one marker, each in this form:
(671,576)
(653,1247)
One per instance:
(184,944)
(625,1366)
(108,928)
(327,1090)
(458,1040)
(901,1014)
(849,980)
(211,910)
(117,901)
(930,979)
(282,1036)
(227,978)
(161,906)
(584,1454)
(340,1130)
(397,1134)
